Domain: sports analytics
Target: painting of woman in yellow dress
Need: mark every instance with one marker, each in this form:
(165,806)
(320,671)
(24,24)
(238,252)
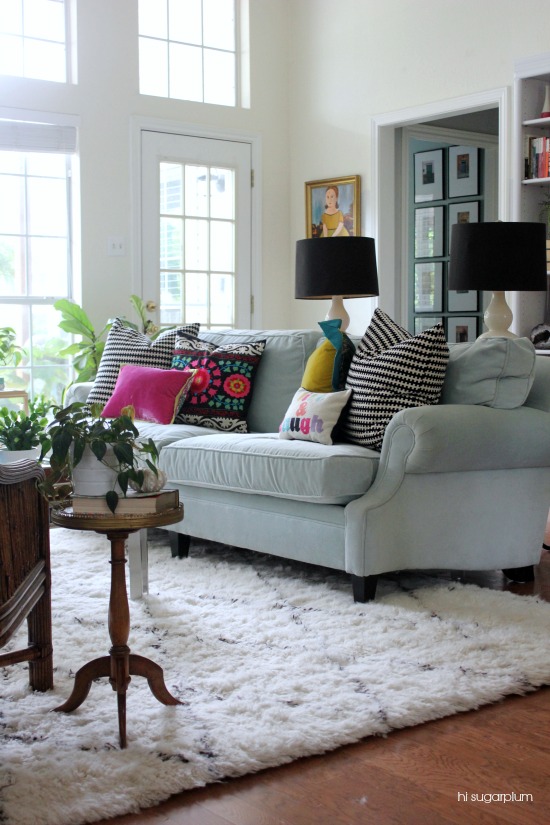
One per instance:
(332,207)
(333,218)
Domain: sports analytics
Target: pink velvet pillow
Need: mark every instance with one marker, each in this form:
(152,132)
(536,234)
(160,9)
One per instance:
(156,395)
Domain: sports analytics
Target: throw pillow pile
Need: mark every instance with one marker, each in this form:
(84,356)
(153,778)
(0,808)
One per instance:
(125,345)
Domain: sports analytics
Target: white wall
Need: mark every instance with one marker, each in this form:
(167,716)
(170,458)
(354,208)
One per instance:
(359,58)
(105,100)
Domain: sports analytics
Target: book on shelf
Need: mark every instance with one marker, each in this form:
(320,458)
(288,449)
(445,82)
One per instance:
(537,157)
(133,504)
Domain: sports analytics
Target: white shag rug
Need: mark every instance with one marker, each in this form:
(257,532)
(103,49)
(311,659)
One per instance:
(272,660)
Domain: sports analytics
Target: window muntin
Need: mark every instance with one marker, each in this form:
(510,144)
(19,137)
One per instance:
(34,37)
(188,51)
(197,244)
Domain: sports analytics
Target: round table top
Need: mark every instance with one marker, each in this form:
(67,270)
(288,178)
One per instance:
(125,523)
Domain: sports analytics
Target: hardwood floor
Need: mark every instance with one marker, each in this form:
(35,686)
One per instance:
(437,773)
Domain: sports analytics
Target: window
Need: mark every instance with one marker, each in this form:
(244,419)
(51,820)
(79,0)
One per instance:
(188,51)
(33,39)
(197,244)
(36,180)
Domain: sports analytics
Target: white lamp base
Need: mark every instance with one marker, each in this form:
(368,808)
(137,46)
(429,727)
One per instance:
(498,317)
(338,310)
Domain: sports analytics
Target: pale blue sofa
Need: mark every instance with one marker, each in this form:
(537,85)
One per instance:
(459,486)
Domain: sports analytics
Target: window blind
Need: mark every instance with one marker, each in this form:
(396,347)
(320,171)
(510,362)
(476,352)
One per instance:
(25,136)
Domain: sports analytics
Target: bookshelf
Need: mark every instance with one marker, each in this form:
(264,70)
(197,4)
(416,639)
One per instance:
(531,77)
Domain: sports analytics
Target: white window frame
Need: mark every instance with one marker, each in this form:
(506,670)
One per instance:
(71,62)
(139,124)
(241,54)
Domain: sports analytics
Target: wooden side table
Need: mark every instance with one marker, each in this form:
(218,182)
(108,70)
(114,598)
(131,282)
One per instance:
(120,664)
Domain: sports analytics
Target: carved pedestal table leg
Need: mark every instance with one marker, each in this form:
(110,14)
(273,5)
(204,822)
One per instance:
(120,665)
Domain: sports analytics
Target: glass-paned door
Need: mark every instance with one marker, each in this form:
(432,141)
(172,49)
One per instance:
(196,220)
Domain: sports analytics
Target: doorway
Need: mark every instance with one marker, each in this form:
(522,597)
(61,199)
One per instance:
(389,215)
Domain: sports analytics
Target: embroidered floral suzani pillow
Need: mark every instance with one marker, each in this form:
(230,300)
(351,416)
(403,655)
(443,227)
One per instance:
(221,391)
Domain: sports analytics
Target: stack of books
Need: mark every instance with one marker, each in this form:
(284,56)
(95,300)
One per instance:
(537,157)
(133,504)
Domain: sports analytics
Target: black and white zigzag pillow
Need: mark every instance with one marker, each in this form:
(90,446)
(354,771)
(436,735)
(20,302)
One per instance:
(125,345)
(391,371)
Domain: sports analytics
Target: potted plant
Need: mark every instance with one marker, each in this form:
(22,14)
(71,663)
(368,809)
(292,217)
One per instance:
(78,436)
(22,434)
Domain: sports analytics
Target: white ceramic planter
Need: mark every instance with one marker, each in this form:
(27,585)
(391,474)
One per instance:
(91,477)
(9,456)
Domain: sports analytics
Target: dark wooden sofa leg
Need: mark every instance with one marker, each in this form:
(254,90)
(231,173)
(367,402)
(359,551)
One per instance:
(520,574)
(179,544)
(364,588)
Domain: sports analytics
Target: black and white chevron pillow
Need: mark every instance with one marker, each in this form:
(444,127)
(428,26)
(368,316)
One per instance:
(390,371)
(125,345)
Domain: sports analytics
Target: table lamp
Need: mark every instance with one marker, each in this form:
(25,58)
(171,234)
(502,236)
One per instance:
(499,257)
(336,268)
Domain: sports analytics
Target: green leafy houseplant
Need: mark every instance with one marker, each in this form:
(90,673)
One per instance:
(87,352)
(11,354)
(113,441)
(23,431)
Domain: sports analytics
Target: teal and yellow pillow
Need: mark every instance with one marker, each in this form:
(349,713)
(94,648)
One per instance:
(327,367)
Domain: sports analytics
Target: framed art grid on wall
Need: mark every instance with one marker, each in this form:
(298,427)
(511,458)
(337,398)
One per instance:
(436,173)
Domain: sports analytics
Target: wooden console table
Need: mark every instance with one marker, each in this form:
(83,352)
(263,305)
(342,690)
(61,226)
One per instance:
(120,664)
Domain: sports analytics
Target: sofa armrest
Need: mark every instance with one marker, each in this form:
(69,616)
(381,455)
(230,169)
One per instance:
(77,392)
(463,437)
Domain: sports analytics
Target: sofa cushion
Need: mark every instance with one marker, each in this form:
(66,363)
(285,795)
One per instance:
(327,367)
(265,465)
(125,345)
(221,391)
(391,371)
(496,372)
(312,416)
(164,434)
(154,394)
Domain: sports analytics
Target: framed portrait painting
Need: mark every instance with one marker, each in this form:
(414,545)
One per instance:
(333,207)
